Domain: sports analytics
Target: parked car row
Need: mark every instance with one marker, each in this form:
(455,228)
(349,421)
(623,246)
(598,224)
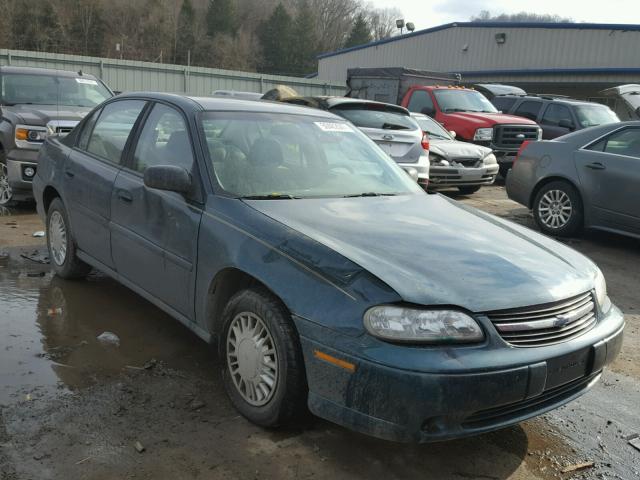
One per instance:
(328,280)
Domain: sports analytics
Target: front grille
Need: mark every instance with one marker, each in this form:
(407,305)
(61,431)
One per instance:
(546,400)
(546,324)
(512,136)
(467,162)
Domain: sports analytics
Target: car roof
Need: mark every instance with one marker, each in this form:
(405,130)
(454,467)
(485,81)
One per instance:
(327,102)
(43,71)
(229,104)
(587,135)
(550,98)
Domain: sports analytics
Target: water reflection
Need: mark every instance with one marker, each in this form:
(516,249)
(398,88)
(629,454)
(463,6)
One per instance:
(48,330)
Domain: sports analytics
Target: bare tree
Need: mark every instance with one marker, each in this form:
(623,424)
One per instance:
(487,16)
(383,22)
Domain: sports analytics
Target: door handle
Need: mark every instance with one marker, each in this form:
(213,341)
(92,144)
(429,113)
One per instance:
(125,196)
(69,173)
(595,166)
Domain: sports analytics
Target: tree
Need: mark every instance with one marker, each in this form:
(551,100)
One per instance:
(39,29)
(360,33)
(185,35)
(383,22)
(88,26)
(486,16)
(220,17)
(275,35)
(305,47)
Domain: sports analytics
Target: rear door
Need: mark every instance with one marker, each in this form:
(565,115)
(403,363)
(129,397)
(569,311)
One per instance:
(90,171)
(609,172)
(154,232)
(394,131)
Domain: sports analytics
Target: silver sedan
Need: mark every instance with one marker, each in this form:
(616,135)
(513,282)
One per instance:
(589,178)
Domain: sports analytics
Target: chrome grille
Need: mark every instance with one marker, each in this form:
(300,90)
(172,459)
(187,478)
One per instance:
(512,136)
(546,324)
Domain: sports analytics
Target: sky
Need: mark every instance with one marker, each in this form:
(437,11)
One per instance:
(425,14)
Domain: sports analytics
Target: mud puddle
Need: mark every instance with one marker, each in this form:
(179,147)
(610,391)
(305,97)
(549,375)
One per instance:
(50,329)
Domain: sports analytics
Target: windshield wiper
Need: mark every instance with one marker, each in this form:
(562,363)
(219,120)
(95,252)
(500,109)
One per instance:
(271,196)
(447,110)
(370,194)
(393,126)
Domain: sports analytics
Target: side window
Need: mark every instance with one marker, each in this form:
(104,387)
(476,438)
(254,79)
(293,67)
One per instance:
(556,115)
(624,142)
(528,109)
(87,128)
(112,129)
(164,141)
(420,100)
(503,103)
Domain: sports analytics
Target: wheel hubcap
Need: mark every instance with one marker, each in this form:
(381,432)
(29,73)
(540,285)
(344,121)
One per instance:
(252,359)
(57,238)
(5,188)
(555,209)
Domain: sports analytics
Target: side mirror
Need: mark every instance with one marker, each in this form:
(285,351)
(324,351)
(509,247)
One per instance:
(168,177)
(565,123)
(429,111)
(452,133)
(412,172)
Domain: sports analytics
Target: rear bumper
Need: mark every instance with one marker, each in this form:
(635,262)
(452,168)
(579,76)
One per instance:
(409,406)
(443,177)
(17,161)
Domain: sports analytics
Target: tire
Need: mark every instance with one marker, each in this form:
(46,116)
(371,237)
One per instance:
(557,209)
(5,190)
(468,190)
(285,402)
(61,244)
(504,170)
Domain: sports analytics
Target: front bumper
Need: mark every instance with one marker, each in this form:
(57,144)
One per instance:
(444,177)
(415,406)
(17,161)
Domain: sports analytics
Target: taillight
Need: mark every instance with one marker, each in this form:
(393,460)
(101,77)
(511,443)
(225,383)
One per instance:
(425,141)
(520,150)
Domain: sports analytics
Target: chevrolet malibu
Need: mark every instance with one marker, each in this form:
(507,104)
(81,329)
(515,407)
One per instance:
(328,280)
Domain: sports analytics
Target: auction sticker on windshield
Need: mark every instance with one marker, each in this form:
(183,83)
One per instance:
(86,81)
(333,127)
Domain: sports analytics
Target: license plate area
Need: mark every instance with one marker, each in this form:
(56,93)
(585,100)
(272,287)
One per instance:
(567,368)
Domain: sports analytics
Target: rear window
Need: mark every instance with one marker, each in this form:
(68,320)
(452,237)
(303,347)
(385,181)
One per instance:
(376,116)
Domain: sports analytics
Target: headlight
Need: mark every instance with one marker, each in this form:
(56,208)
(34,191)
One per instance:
(435,159)
(490,159)
(402,324)
(484,134)
(28,135)
(601,292)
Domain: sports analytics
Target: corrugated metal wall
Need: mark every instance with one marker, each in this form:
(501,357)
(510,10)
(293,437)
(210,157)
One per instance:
(468,49)
(126,75)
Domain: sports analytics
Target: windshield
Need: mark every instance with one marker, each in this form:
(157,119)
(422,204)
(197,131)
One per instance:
(51,90)
(592,115)
(275,156)
(457,100)
(375,116)
(433,128)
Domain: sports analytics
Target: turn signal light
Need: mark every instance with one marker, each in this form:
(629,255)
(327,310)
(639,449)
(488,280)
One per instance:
(22,134)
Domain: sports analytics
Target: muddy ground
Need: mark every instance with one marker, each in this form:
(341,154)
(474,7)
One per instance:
(73,407)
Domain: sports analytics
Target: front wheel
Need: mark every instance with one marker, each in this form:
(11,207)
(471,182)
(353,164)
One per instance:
(263,366)
(468,190)
(61,244)
(6,194)
(557,209)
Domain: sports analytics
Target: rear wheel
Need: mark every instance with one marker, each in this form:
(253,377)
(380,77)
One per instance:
(468,190)
(61,244)
(557,209)
(263,366)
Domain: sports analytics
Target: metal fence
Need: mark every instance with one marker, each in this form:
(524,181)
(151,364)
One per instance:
(129,75)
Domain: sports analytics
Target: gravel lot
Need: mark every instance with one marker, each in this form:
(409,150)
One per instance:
(74,407)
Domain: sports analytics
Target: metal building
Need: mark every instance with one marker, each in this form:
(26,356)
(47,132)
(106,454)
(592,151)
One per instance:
(576,59)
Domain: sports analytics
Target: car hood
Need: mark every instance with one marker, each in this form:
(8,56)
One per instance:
(43,114)
(479,119)
(434,251)
(453,149)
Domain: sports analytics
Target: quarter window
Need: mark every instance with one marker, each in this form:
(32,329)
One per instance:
(419,101)
(528,110)
(556,114)
(164,141)
(113,128)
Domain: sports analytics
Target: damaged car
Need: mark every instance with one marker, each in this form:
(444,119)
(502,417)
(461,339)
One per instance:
(326,278)
(455,164)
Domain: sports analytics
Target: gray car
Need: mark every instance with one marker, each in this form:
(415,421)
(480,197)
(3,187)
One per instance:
(454,164)
(390,126)
(588,178)
(36,103)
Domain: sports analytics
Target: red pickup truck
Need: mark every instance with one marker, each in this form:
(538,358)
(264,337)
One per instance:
(463,110)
